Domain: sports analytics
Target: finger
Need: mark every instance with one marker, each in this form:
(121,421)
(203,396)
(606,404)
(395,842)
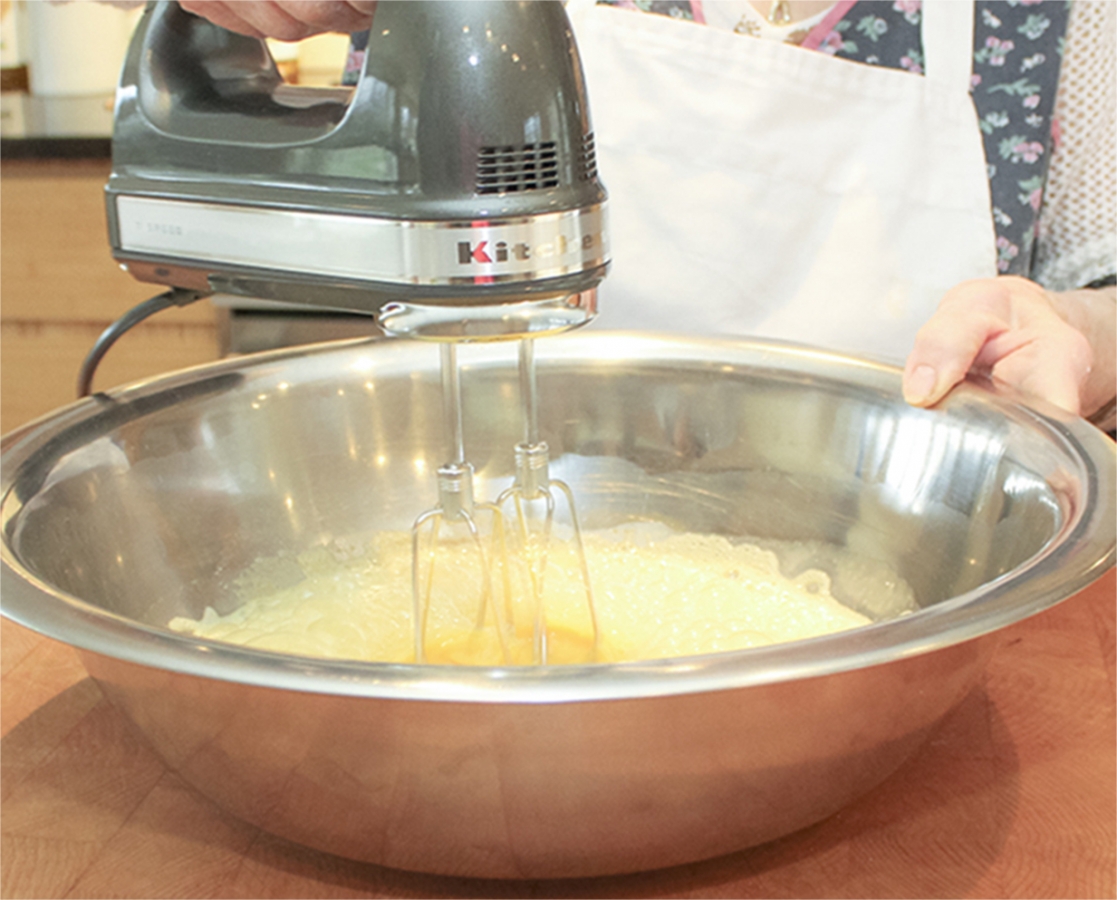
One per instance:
(946,347)
(221,15)
(327,15)
(254,18)
(270,18)
(1058,386)
(1052,366)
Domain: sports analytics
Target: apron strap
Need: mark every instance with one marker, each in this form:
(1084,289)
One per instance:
(948,28)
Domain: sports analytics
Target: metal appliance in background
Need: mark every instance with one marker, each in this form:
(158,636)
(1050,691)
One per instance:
(452,193)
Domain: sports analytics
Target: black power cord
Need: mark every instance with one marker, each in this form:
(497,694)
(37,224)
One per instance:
(173,297)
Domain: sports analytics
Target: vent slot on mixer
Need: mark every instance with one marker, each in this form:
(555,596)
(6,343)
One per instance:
(509,169)
(589,158)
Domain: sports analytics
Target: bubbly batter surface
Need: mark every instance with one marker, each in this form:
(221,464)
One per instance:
(673,596)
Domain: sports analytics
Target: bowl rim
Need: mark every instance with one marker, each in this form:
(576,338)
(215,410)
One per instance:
(1082,550)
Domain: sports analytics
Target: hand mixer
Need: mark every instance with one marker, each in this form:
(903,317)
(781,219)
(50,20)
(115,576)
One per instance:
(452,194)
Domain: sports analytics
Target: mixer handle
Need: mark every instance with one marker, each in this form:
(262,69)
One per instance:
(210,57)
(220,85)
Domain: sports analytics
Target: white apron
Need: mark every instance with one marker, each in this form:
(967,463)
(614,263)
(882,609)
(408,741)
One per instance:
(760,189)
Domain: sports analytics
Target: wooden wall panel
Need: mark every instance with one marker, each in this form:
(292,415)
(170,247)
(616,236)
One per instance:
(39,361)
(60,287)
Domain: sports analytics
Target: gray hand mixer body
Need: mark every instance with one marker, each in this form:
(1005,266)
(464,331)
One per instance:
(452,192)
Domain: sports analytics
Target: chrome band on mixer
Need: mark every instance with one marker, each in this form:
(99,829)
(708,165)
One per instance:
(526,318)
(366,248)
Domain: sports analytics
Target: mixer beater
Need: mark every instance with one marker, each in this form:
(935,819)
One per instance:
(456,509)
(531,500)
(511,562)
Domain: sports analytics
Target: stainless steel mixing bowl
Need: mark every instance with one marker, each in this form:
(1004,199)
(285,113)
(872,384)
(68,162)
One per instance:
(122,511)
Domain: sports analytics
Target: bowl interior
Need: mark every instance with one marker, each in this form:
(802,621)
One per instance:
(156,502)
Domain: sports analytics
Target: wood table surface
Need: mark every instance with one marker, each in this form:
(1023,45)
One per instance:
(1014,796)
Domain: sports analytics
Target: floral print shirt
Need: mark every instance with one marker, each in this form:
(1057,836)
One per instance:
(1018,48)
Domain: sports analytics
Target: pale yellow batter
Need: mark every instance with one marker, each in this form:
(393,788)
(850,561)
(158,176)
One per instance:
(675,596)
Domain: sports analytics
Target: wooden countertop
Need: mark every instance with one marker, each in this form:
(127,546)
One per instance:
(1014,796)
